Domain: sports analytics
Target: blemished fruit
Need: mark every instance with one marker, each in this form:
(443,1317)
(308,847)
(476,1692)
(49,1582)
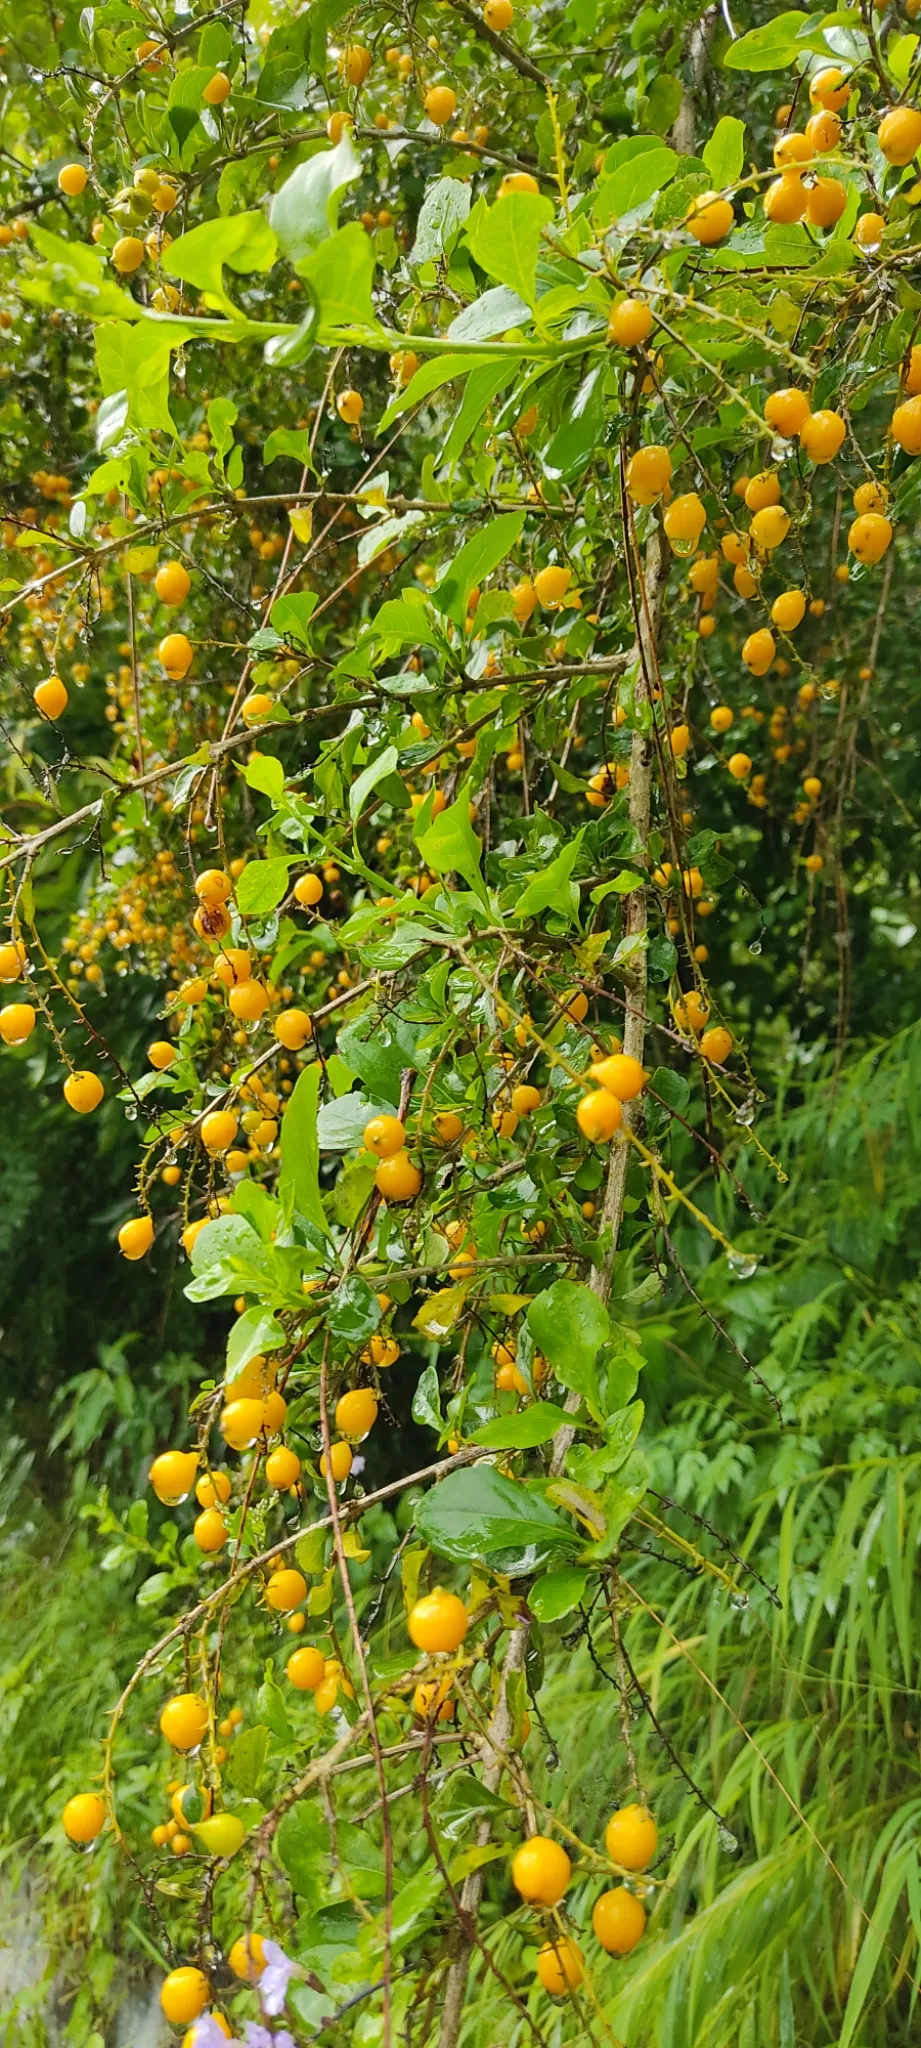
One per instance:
(83,1818)
(829,88)
(618,1921)
(560,1967)
(184,1721)
(356,1412)
(355,63)
(785,200)
(826,200)
(293,1029)
(769,528)
(691,1010)
(172,1476)
(498,14)
(83,1091)
(630,1836)
(184,1995)
(541,1871)
(350,405)
(869,537)
(438,1622)
(758,651)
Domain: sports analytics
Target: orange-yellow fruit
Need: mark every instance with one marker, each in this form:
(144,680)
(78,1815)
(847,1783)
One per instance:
(128,254)
(870,497)
(812,787)
(438,1622)
(559,1964)
(217,90)
(826,200)
(84,1817)
(72,180)
(306,1669)
(184,1995)
(691,1010)
(355,63)
(339,1463)
(356,1412)
(518,181)
(822,434)
(293,1029)
(622,1075)
(397,1179)
(788,610)
(618,1921)
(868,232)
(17,1021)
(385,1136)
(172,582)
(247,1957)
(83,1092)
(721,718)
(598,1116)
(241,1422)
(758,651)
(282,1468)
(308,889)
(137,1235)
(785,200)
(50,697)
(739,766)
(440,103)
(899,135)
(786,411)
(175,654)
(716,1046)
(285,1590)
(823,131)
(172,1476)
(630,322)
(905,425)
(869,536)
(551,584)
(13,958)
(630,1837)
(184,1721)
(829,88)
(648,473)
(212,1489)
(769,528)
(709,218)
(541,1871)
(684,522)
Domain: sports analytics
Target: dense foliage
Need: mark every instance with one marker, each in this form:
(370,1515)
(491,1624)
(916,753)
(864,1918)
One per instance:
(460,1053)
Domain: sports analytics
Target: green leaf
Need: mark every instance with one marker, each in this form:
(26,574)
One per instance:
(265,773)
(478,1515)
(252,1333)
(135,361)
(291,616)
(493,313)
(305,211)
(477,559)
(552,890)
(724,154)
(427,1400)
(504,239)
(247,1760)
(262,884)
(634,183)
(74,277)
(450,843)
(293,441)
(430,377)
(300,1152)
(770,48)
(241,242)
(355,1312)
(340,274)
(443,211)
(522,1432)
(405,621)
(569,1325)
(303,1848)
(368,780)
(557,1593)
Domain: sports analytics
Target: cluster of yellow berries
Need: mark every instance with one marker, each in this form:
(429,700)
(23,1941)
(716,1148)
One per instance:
(541,1873)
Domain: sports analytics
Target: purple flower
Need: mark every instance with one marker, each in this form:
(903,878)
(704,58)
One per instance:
(256,2036)
(274,1980)
(206,2033)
